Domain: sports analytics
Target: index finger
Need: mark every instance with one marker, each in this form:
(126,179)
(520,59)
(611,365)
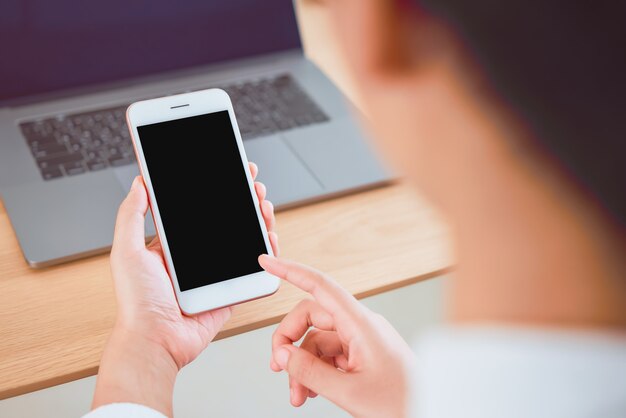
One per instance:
(333,298)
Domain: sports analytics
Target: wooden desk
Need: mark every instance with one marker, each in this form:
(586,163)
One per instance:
(54,322)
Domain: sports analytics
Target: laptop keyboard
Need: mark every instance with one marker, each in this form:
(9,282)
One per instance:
(67,145)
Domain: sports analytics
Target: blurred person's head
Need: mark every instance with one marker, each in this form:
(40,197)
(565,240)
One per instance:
(510,116)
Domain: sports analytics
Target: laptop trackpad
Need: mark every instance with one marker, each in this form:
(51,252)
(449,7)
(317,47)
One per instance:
(287,179)
(338,154)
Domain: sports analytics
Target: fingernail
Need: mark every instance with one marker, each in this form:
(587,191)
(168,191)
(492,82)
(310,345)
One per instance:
(282,357)
(135,183)
(291,393)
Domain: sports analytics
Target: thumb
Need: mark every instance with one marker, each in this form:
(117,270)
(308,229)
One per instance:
(129,227)
(213,321)
(314,373)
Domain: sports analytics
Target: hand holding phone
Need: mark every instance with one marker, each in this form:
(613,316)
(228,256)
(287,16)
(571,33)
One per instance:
(145,298)
(152,339)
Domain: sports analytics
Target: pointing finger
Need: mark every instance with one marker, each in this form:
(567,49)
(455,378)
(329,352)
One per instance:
(344,308)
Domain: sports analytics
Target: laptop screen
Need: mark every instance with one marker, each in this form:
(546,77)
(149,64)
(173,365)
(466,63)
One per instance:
(49,46)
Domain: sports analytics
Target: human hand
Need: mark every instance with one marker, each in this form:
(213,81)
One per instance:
(146,300)
(350,355)
(152,339)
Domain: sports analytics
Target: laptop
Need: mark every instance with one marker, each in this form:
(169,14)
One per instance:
(70,70)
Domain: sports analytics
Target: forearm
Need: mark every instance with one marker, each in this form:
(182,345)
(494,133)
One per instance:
(135,370)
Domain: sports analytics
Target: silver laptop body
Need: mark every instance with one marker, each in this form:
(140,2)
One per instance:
(62,202)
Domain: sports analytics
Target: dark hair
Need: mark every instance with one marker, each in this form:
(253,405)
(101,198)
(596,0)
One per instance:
(561,65)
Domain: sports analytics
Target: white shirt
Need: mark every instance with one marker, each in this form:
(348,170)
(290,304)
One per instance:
(506,372)
(502,372)
(125,410)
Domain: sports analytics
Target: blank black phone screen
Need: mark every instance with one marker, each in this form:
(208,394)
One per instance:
(202,193)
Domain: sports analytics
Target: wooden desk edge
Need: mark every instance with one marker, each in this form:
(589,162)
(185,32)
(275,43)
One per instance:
(66,378)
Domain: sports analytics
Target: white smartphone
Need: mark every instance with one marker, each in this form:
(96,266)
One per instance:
(202,199)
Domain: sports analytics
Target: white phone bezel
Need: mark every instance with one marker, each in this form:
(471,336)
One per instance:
(225,293)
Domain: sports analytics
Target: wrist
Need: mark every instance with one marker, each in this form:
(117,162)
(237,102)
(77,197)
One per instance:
(143,349)
(137,370)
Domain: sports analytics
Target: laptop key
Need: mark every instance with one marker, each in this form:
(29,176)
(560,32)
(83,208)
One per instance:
(48,149)
(96,164)
(36,140)
(51,173)
(71,169)
(58,160)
